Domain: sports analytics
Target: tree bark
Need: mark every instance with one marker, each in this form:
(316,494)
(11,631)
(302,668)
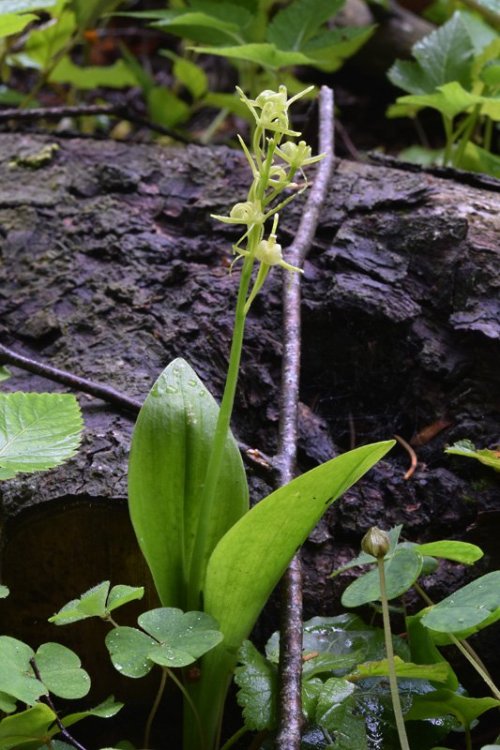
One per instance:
(110,266)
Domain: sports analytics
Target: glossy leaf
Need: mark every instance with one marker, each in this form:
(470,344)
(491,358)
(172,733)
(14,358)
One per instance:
(257,680)
(17,678)
(37,431)
(423,649)
(27,729)
(461,552)
(401,572)
(251,558)
(60,671)
(129,649)
(442,702)
(431,672)
(475,605)
(334,692)
(170,450)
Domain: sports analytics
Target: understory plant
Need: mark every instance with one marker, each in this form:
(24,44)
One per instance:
(456,73)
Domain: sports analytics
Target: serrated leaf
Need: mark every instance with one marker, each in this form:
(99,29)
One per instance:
(401,572)
(27,727)
(257,680)
(462,552)
(170,450)
(37,430)
(442,702)
(60,671)
(442,57)
(17,678)
(473,606)
(294,25)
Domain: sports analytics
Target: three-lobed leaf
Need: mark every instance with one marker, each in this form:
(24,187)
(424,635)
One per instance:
(17,678)
(98,601)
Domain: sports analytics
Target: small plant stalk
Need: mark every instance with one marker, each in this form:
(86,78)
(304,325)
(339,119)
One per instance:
(393,680)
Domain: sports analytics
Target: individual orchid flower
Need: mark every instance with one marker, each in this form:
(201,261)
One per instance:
(274,109)
(247,212)
(297,155)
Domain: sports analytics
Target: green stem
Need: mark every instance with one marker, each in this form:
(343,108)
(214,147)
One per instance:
(471,122)
(234,738)
(154,708)
(474,662)
(449,140)
(191,705)
(393,681)
(199,560)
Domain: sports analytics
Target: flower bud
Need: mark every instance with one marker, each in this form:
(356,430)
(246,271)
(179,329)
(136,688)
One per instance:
(376,542)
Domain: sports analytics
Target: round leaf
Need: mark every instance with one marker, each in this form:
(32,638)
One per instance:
(60,671)
(401,572)
(16,675)
(473,606)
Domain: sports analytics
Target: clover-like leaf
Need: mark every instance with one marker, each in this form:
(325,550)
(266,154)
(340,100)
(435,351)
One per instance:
(37,431)
(60,671)
(129,650)
(98,601)
(17,678)
(182,636)
(474,606)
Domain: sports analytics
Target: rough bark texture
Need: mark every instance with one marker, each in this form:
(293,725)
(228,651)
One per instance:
(111,266)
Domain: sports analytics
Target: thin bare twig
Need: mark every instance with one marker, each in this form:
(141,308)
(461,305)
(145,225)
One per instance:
(290,669)
(411,453)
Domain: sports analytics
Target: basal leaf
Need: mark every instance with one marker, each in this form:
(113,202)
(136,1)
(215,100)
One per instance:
(171,445)
(60,671)
(401,572)
(257,680)
(294,25)
(17,678)
(252,556)
(37,430)
(473,606)
(462,552)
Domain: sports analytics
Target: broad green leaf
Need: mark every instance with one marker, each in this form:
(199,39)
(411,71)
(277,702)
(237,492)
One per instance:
(188,73)
(250,559)
(90,604)
(295,24)
(4,591)
(443,56)
(200,27)
(480,32)
(461,552)
(115,76)
(23,6)
(165,108)
(450,100)
(432,672)
(468,450)
(265,54)
(419,154)
(60,671)
(17,678)
(171,445)
(5,373)
(7,703)
(105,710)
(401,572)
(10,23)
(129,649)
(37,431)
(473,606)
(328,50)
(336,713)
(43,44)
(27,729)
(441,702)
(490,74)
(257,680)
